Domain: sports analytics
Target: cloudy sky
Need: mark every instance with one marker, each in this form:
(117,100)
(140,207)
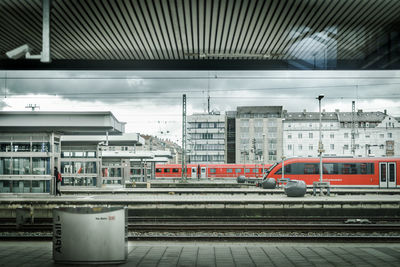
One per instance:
(151,102)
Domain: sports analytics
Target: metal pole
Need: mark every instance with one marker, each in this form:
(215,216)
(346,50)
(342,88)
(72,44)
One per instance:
(183,137)
(45,57)
(320,148)
(263,155)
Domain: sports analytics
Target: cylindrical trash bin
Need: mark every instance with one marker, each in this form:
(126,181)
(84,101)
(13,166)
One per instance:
(295,188)
(269,183)
(90,235)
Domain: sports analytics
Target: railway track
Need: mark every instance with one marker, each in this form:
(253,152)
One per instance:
(238,219)
(222,227)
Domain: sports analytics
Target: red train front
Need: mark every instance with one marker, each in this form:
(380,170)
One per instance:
(341,172)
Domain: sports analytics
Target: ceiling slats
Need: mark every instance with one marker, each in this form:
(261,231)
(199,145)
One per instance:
(205,29)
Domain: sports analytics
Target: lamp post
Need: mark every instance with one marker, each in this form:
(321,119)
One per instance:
(263,152)
(320,146)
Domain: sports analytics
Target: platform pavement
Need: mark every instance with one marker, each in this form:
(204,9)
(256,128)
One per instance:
(221,254)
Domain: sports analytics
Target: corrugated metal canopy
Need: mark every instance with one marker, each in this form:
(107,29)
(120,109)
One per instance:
(206,34)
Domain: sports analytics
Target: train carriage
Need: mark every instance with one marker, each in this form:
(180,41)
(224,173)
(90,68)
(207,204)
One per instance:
(342,172)
(202,171)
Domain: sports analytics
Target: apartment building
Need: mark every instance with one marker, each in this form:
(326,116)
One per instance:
(206,138)
(375,134)
(258,134)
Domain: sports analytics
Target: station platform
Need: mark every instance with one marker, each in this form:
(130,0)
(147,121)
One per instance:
(221,254)
(174,197)
(70,190)
(211,205)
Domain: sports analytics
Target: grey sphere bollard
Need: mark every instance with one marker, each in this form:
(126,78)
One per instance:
(269,183)
(241,179)
(295,188)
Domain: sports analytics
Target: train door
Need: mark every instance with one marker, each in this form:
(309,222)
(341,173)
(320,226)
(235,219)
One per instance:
(203,172)
(194,172)
(387,175)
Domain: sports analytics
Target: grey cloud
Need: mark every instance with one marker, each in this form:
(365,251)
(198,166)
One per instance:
(227,89)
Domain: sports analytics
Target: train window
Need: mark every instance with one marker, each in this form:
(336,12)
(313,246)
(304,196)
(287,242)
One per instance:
(247,170)
(255,170)
(356,168)
(166,170)
(288,169)
(175,170)
(213,170)
(279,171)
(383,172)
(158,170)
(363,168)
(311,168)
(391,173)
(238,170)
(229,170)
(331,168)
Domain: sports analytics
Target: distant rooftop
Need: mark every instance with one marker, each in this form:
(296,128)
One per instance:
(67,123)
(306,116)
(259,109)
(126,139)
(336,116)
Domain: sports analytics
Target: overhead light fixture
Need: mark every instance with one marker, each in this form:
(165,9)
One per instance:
(232,55)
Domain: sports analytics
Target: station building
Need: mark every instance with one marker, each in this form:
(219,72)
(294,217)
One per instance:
(30,145)
(89,149)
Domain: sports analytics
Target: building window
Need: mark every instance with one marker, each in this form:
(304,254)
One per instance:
(310,147)
(332,146)
(5,165)
(310,135)
(346,135)
(346,147)
(381,146)
(367,136)
(300,135)
(332,135)
(300,147)
(390,135)
(381,135)
(289,147)
(21,166)
(289,136)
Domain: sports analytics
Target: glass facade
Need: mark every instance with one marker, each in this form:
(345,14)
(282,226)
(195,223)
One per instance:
(26,186)
(40,166)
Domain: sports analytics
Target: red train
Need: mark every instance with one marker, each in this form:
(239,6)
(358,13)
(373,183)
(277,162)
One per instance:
(211,170)
(345,172)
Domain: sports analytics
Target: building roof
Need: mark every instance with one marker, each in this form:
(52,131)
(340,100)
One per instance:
(126,139)
(260,110)
(359,116)
(310,116)
(362,116)
(67,123)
